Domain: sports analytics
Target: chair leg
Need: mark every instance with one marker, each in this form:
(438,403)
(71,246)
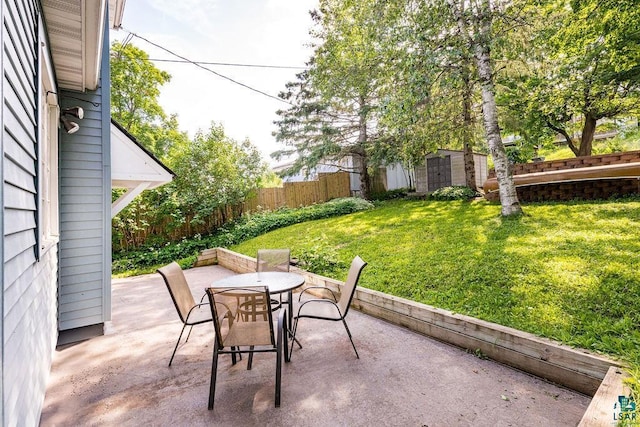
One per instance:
(344,322)
(285,333)
(214,372)
(293,338)
(279,362)
(189,334)
(250,362)
(177,343)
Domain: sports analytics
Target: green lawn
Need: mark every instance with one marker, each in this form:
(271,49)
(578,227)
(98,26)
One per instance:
(566,271)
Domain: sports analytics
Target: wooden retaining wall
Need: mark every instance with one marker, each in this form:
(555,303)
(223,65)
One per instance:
(603,411)
(572,368)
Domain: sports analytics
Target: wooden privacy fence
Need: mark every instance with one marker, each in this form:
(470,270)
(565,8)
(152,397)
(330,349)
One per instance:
(295,194)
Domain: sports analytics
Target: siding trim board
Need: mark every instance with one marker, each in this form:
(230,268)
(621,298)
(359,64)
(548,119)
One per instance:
(106,178)
(2,207)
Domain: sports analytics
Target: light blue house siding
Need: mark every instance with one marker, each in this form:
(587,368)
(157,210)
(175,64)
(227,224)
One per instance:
(85,215)
(29,275)
(62,283)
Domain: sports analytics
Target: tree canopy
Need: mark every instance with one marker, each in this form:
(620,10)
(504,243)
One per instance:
(582,66)
(213,172)
(393,80)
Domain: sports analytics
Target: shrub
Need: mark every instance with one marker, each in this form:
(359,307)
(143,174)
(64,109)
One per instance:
(456,192)
(319,256)
(247,227)
(398,193)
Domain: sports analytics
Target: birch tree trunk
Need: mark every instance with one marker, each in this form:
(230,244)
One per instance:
(481,39)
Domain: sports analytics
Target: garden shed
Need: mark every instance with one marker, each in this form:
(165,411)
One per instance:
(445,168)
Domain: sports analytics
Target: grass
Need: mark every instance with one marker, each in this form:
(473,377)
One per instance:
(566,271)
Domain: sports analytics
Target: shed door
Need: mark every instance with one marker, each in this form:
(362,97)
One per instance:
(438,172)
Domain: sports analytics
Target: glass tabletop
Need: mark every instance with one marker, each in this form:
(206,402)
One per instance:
(275,281)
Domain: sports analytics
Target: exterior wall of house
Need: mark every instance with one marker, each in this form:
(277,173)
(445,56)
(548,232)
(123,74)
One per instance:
(85,213)
(395,175)
(29,273)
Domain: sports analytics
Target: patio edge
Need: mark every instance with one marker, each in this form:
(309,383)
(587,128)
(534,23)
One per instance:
(576,369)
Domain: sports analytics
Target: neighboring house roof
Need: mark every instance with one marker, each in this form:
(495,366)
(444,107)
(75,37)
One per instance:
(133,167)
(75,29)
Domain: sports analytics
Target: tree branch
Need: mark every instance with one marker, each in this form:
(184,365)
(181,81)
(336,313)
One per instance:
(564,133)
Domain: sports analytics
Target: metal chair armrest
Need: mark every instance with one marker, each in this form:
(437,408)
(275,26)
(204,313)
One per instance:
(193,308)
(226,313)
(283,331)
(317,287)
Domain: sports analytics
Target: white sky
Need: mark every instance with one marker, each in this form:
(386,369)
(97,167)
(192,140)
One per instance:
(266,32)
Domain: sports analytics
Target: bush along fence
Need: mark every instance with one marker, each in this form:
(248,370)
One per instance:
(151,226)
(588,178)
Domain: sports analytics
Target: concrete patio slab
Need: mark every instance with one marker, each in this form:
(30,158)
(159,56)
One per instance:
(401,378)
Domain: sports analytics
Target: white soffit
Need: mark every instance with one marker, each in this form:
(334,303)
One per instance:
(76,29)
(116,10)
(132,165)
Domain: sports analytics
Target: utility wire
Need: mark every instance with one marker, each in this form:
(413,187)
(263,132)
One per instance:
(229,64)
(207,69)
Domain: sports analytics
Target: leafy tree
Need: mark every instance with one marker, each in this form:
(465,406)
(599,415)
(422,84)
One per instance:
(585,68)
(335,103)
(429,93)
(214,171)
(135,88)
(475,22)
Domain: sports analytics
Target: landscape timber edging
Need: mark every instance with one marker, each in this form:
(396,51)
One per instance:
(576,369)
(599,412)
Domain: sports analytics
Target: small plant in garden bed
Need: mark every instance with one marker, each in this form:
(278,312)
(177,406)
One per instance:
(319,256)
(455,192)
(398,193)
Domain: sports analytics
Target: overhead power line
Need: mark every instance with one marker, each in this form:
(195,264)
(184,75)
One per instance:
(229,64)
(205,68)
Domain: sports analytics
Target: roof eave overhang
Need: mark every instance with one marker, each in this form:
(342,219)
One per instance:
(93,33)
(76,36)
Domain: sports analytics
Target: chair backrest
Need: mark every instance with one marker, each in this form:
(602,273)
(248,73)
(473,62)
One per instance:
(349,288)
(178,289)
(273,260)
(254,323)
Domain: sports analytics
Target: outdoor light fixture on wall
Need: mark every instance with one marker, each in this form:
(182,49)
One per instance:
(70,126)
